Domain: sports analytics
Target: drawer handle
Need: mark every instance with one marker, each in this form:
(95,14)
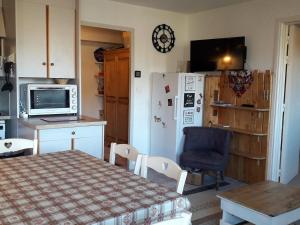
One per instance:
(73,133)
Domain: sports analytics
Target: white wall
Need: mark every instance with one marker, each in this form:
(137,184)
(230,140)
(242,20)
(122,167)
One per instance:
(141,21)
(256,20)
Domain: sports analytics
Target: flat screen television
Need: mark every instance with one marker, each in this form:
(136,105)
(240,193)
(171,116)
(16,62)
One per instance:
(218,54)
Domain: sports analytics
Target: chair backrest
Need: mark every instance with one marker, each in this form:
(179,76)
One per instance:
(17,144)
(183,219)
(128,152)
(207,138)
(164,166)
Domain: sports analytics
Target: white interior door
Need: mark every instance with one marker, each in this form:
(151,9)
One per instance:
(61,42)
(31,39)
(291,118)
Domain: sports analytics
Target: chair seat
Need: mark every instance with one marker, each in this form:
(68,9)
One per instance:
(202,160)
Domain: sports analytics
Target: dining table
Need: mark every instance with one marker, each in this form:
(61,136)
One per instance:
(72,187)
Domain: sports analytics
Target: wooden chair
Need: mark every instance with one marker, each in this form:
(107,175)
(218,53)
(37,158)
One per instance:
(183,219)
(17,144)
(164,166)
(128,152)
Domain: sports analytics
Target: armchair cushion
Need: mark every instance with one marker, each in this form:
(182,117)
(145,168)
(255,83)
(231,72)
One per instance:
(202,160)
(205,148)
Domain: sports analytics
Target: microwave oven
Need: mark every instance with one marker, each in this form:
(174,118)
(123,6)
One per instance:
(49,99)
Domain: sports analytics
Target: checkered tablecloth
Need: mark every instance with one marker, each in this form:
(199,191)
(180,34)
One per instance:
(74,188)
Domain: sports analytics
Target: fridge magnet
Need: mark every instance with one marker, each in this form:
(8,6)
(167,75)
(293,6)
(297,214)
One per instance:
(157,119)
(198,109)
(199,101)
(159,104)
(188,116)
(167,88)
(189,100)
(164,124)
(170,102)
(190,83)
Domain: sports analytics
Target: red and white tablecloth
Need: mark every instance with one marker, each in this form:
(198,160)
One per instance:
(74,188)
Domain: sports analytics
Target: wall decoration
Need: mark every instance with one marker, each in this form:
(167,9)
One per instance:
(167,88)
(189,100)
(190,83)
(240,81)
(170,102)
(163,38)
(188,116)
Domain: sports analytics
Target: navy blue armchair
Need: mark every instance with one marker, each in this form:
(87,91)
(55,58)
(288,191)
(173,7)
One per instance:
(206,149)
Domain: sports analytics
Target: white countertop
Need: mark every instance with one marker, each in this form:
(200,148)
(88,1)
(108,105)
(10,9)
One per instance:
(5,117)
(39,124)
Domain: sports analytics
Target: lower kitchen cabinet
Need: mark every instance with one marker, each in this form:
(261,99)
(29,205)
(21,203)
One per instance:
(87,138)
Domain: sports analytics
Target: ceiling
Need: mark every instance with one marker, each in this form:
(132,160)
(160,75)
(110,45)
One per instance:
(183,6)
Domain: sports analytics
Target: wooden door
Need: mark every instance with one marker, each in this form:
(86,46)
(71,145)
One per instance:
(116,95)
(31,39)
(61,42)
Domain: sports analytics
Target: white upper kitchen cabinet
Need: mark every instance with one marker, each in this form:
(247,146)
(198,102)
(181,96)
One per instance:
(31,39)
(45,38)
(61,42)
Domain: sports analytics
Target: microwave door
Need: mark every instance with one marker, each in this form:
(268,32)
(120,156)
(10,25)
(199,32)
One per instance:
(49,101)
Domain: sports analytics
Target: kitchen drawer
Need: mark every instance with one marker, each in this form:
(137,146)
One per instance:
(89,131)
(56,134)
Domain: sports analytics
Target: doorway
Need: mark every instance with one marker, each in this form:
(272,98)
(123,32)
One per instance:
(105,81)
(285,117)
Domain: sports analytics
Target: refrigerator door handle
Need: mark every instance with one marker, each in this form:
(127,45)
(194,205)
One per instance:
(175,108)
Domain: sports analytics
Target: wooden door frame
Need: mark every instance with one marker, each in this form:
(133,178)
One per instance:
(131,72)
(277,106)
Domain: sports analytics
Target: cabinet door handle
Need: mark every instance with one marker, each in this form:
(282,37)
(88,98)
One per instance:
(73,133)
(51,64)
(44,63)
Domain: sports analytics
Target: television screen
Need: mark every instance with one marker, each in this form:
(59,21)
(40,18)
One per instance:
(218,54)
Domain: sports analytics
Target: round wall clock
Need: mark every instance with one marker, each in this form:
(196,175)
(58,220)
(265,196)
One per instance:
(163,38)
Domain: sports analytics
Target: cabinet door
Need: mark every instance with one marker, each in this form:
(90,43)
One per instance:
(116,72)
(89,139)
(54,146)
(90,145)
(61,42)
(123,97)
(31,39)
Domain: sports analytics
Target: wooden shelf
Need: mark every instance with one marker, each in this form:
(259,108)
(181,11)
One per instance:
(248,155)
(241,131)
(99,62)
(240,107)
(99,95)
(100,76)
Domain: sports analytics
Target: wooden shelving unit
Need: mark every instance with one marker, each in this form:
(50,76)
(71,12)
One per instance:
(223,109)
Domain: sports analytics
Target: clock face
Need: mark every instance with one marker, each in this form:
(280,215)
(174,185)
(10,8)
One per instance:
(163,38)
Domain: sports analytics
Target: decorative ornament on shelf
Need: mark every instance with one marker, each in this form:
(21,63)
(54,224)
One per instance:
(163,38)
(240,81)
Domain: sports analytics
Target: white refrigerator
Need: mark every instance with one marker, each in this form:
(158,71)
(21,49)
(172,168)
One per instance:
(176,102)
